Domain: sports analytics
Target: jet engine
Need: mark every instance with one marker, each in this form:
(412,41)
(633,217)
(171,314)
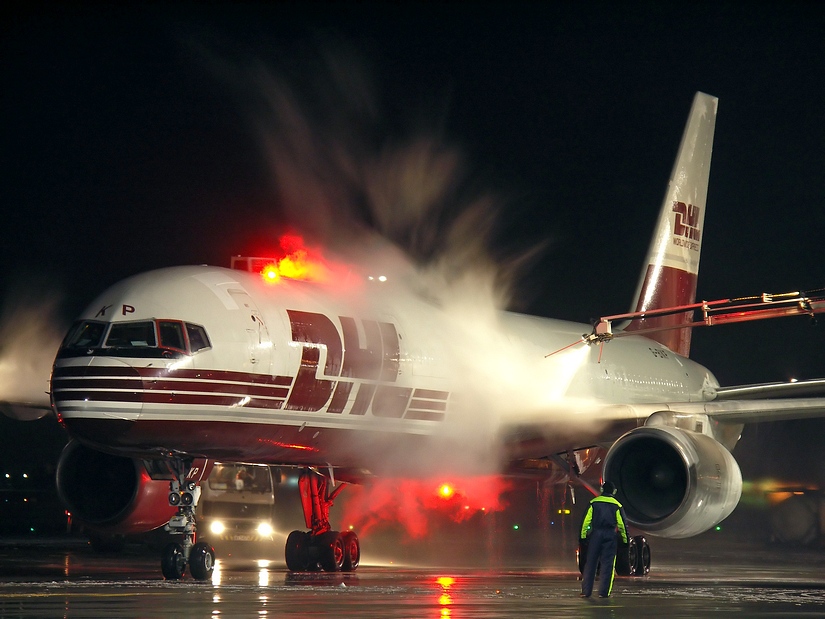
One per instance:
(110,493)
(673,482)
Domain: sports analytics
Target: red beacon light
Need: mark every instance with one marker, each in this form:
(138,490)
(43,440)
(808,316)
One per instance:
(270,273)
(272,270)
(299,263)
(446,491)
(267,267)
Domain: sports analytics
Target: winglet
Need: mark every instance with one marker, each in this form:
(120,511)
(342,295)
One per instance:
(670,274)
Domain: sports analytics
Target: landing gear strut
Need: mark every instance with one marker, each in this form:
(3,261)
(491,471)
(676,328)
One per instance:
(320,547)
(200,556)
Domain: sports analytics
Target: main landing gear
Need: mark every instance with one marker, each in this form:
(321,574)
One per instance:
(320,548)
(199,556)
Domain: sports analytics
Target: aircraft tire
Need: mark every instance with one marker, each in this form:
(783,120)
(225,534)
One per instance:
(331,546)
(624,553)
(172,562)
(202,561)
(352,551)
(644,556)
(297,551)
(634,557)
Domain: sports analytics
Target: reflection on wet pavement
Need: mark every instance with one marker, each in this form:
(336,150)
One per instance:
(69,580)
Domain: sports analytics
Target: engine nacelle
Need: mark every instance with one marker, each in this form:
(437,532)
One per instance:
(110,493)
(672,482)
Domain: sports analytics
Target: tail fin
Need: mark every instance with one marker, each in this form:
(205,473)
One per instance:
(670,275)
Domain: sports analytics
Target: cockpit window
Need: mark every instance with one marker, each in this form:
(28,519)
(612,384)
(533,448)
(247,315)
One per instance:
(132,335)
(85,334)
(197,337)
(171,334)
(145,338)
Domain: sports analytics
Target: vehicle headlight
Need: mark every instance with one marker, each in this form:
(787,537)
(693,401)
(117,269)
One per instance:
(217,527)
(264,529)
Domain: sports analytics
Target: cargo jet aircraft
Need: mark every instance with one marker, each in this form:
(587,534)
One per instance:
(173,369)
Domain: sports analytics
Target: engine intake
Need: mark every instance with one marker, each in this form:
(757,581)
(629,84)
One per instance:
(111,493)
(672,482)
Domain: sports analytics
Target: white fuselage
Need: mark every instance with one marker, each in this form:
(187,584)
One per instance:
(362,376)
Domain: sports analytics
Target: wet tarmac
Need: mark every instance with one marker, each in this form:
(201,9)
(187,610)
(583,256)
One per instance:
(67,579)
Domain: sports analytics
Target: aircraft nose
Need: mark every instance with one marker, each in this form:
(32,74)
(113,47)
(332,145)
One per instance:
(99,399)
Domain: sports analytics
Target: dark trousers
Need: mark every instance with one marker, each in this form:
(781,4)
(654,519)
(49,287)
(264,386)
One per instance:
(601,550)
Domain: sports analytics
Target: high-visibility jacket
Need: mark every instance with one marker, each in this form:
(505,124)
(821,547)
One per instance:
(604,513)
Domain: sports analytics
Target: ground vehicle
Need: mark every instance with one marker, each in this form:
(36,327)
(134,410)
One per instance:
(236,503)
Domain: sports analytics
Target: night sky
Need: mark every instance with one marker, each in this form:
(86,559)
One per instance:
(125,149)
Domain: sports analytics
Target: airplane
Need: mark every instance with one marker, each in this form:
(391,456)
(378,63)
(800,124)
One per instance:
(171,370)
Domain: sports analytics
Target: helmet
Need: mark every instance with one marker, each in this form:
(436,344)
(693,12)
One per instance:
(609,488)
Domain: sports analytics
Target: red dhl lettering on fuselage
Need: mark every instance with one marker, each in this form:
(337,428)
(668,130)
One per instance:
(350,366)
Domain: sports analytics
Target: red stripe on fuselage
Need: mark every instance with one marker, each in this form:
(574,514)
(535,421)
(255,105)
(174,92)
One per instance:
(99,388)
(169,385)
(206,375)
(424,415)
(61,396)
(146,397)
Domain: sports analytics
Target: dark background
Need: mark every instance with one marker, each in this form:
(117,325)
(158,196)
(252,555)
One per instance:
(123,151)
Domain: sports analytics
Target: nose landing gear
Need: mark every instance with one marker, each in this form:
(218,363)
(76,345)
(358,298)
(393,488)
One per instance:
(199,556)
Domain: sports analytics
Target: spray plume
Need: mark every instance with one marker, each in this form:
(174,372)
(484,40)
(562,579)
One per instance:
(371,194)
(410,502)
(30,334)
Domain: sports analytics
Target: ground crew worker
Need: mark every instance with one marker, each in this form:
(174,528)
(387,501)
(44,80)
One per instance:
(604,517)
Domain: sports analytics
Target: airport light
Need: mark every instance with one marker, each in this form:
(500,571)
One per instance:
(446,491)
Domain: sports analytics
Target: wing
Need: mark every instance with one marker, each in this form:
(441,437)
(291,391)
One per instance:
(763,402)
(724,405)
(797,388)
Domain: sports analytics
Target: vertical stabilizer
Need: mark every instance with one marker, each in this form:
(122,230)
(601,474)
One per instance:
(672,267)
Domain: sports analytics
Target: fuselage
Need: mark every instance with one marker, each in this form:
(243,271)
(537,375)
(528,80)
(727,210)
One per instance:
(218,363)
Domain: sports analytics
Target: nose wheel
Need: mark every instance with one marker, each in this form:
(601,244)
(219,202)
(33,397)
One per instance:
(199,556)
(173,562)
